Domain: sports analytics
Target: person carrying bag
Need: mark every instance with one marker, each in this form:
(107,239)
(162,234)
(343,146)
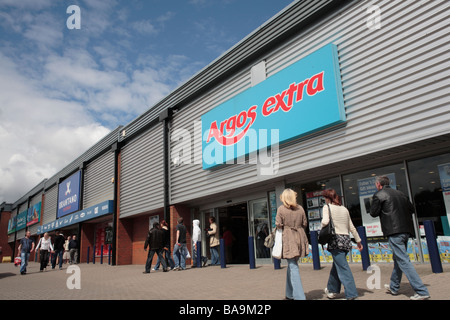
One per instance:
(339,244)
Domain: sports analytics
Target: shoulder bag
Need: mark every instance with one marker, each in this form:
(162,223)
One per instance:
(327,232)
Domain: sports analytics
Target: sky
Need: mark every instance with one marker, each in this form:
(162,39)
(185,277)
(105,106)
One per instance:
(68,77)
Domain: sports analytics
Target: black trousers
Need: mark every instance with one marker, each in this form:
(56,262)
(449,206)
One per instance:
(151,253)
(43,255)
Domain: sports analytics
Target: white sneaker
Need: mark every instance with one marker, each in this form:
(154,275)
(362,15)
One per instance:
(389,290)
(330,295)
(419,297)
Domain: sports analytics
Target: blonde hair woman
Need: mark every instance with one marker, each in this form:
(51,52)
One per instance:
(291,218)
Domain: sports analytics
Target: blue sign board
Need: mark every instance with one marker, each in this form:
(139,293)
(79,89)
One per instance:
(98,210)
(69,195)
(303,98)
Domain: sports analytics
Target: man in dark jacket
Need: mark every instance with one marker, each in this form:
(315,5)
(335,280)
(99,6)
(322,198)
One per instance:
(395,210)
(155,241)
(59,249)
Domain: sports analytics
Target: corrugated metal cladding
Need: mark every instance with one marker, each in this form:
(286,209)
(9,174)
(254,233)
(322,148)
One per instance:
(50,205)
(395,83)
(98,184)
(141,174)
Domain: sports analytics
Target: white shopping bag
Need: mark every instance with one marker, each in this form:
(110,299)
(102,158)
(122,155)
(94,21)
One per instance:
(277,249)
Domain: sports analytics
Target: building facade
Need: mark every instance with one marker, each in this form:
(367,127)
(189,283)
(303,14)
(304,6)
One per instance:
(326,94)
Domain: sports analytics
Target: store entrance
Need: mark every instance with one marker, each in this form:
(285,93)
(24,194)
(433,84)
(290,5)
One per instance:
(233,224)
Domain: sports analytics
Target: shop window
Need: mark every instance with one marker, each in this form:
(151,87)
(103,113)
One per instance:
(430,187)
(358,191)
(309,195)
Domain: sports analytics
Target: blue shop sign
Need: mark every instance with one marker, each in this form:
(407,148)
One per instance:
(69,195)
(96,211)
(301,99)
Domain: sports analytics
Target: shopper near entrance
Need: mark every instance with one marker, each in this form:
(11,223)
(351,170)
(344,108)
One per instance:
(166,250)
(26,246)
(196,236)
(291,218)
(395,212)
(45,246)
(180,250)
(155,242)
(73,250)
(339,245)
(59,250)
(214,241)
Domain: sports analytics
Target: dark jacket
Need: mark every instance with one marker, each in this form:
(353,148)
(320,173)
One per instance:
(394,210)
(155,239)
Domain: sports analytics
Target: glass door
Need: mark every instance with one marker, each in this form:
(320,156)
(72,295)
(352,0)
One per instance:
(259,224)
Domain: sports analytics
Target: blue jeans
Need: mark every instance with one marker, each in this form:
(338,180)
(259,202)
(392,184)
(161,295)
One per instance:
(169,261)
(214,255)
(58,254)
(23,265)
(179,255)
(294,287)
(399,243)
(341,274)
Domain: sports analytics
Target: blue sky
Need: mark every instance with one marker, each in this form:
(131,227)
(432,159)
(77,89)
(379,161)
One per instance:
(62,90)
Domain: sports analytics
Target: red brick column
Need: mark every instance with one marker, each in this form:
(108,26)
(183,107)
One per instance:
(87,240)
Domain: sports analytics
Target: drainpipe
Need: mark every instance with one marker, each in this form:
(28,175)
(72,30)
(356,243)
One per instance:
(165,117)
(116,149)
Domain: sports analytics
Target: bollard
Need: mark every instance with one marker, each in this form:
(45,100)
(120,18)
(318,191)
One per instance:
(276,263)
(365,259)
(88,255)
(101,254)
(109,254)
(251,252)
(315,249)
(222,254)
(93,255)
(199,254)
(433,250)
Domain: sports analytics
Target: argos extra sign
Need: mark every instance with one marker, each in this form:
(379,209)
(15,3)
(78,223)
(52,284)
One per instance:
(301,99)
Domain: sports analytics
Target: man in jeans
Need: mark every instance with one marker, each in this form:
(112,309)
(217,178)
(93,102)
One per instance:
(179,250)
(59,249)
(395,210)
(26,246)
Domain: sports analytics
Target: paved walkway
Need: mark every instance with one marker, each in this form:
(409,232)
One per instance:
(236,282)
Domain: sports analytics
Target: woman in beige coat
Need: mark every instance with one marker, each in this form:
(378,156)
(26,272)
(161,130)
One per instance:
(291,218)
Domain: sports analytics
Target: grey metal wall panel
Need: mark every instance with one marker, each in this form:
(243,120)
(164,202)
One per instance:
(98,186)
(395,83)
(141,174)
(48,213)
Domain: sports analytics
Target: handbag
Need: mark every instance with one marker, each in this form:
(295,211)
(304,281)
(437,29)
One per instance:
(269,241)
(277,250)
(327,232)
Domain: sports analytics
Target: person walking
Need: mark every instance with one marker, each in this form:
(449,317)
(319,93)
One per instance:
(214,241)
(166,250)
(66,256)
(339,246)
(73,250)
(291,219)
(59,250)
(155,243)
(26,246)
(197,236)
(179,250)
(395,212)
(46,247)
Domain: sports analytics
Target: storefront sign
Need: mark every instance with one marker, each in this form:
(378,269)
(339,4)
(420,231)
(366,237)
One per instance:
(69,195)
(366,189)
(98,210)
(12,224)
(21,220)
(34,214)
(303,98)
